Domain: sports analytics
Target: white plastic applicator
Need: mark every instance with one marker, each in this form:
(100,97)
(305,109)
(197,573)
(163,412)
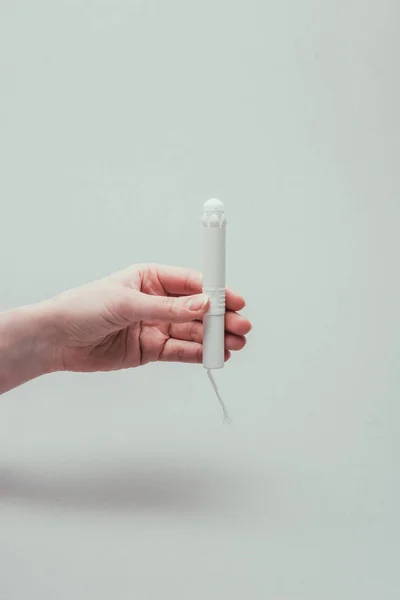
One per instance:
(214,276)
(214,249)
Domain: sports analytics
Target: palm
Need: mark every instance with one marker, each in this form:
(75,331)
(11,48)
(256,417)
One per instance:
(103,337)
(132,346)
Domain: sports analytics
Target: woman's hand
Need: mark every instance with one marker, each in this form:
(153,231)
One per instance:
(142,314)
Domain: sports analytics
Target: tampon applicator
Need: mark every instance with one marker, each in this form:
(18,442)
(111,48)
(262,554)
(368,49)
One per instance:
(214,286)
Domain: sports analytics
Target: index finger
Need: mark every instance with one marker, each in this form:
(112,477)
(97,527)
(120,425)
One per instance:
(185,282)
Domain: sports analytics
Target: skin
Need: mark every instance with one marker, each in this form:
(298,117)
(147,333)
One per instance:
(145,313)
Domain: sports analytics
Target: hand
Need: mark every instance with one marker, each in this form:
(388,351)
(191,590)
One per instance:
(142,314)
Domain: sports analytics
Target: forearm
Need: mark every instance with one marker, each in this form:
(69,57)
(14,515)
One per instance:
(25,346)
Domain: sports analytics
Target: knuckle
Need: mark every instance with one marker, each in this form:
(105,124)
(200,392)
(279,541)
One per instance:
(188,283)
(180,353)
(170,306)
(194,333)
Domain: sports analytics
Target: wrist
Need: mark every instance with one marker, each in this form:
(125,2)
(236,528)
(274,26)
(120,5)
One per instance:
(26,346)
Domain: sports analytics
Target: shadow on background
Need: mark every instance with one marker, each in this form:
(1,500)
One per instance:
(133,487)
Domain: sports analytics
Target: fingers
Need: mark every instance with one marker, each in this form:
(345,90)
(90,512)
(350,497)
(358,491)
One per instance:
(236,329)
(237,324)
(179,280)
(234,301)
(193,332)
(137,306)
(184,351)
(183,281)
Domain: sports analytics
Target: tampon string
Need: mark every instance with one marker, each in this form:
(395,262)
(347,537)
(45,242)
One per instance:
(227,418)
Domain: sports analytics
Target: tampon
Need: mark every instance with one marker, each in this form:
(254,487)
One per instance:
(214,273)
(214,269)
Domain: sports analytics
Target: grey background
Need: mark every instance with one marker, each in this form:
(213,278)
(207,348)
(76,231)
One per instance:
(118,120)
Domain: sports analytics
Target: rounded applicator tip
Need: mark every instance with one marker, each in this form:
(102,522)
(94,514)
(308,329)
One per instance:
(213,204)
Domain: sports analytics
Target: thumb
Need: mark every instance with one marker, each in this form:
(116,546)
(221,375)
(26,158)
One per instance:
(167,308)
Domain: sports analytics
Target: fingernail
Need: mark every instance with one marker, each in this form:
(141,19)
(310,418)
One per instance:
(197,302)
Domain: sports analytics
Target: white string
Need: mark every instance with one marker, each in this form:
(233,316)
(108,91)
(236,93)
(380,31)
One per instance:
(227,418)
